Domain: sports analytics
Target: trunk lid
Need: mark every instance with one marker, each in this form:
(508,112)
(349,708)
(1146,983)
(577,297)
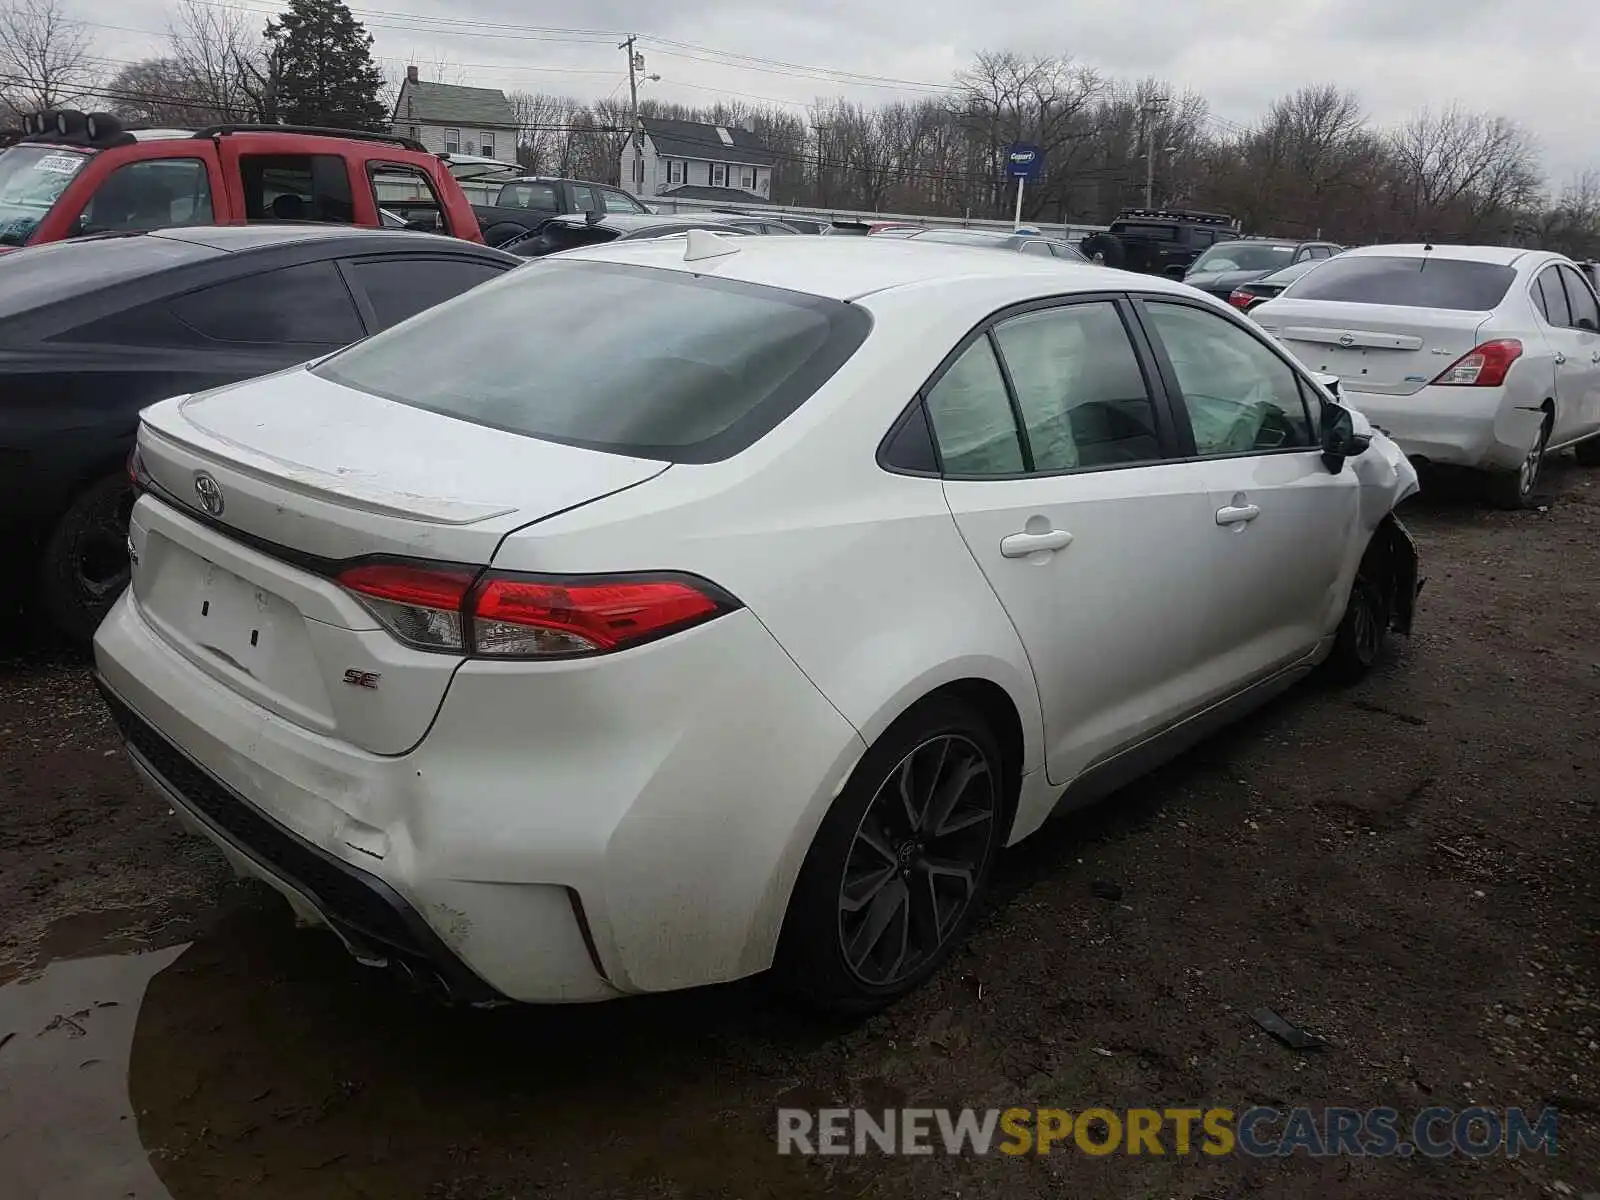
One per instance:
(1389,350)
(303,474)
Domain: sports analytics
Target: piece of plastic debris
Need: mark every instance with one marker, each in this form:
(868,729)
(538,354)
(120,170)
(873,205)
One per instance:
(1291,1036)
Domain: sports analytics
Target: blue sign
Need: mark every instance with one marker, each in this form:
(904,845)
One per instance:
(1024,161)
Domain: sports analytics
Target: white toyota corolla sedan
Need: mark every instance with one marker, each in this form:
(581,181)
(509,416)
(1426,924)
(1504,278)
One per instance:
(1473,356)
(669,611)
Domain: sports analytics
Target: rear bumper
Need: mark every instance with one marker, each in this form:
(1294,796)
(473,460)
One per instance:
(565,832)
(1480,428)
(370,917)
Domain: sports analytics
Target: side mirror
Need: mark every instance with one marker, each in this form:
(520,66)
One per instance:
(1345,434)
(592,216)
(1330,384)
(1587,324)
(1176,272)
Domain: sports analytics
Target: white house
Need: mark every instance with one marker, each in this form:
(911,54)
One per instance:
(697,162)
(448,119)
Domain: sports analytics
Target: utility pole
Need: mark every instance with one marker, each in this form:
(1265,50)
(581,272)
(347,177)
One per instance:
(636,131)
(1153,105)
(822,187)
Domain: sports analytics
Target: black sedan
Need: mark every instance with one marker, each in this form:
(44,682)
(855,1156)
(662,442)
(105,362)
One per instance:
(570,232)
(1022,242)
(1227,265)
(1248,295)
(94,329)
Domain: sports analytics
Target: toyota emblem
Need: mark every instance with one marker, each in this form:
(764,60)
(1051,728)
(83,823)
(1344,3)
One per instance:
(1347,340)
(209,492)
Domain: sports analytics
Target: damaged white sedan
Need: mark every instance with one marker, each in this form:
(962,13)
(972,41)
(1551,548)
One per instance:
(549,665)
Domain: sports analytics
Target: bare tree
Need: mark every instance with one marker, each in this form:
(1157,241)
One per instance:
(1462,173)
(219,51)
(45,59)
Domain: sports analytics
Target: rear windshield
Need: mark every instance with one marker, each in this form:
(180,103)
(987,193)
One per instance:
(650,363)
(1243,256)
(1409,282)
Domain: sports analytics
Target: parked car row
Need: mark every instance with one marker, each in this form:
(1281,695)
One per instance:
(511,649)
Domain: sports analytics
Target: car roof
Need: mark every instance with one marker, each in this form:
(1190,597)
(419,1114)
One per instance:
(627,221)
(849,268)
(234,239)
(1503,256)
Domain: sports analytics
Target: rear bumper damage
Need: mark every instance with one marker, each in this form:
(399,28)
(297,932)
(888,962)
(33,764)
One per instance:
(1481,428)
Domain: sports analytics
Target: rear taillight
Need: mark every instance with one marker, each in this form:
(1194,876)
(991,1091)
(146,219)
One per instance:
(420,605)
(138,477)
(521,616)
(1240,298)
(1482,366)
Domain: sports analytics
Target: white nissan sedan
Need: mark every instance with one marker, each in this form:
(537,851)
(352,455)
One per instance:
(1485,357)
(734,613)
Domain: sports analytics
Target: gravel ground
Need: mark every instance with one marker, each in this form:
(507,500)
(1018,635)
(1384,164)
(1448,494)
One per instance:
(1405,868)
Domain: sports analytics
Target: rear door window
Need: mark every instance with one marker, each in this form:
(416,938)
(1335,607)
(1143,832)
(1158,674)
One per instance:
(297,187)
(1552,298)
(307,304)
(707,365)
(1581,300)
(406,189)
(1079,388)
(1407,281)
(398,288)
(973,422)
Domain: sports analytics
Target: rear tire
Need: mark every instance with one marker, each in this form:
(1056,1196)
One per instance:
(1514,490)
(900,865)
(85,564)
(1588,452)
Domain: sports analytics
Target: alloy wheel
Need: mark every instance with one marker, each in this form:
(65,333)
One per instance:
(913,867)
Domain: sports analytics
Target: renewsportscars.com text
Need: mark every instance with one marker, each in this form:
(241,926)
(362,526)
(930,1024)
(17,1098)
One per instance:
(1258,1132)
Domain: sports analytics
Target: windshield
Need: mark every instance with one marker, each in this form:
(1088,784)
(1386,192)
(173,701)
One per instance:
(1453,283)
(1243,256)
(32,179)
(707,365)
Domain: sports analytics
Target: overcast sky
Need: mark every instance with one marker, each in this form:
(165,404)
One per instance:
(1517,59)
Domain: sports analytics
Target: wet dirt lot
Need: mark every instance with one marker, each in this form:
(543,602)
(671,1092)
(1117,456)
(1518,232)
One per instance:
(1406,868)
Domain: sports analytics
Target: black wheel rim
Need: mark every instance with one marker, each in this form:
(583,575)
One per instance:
(100,562)
(913,868)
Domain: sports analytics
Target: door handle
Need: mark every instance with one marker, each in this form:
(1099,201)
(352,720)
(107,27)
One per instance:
(1235,514)
(1560,358)
(1020,545)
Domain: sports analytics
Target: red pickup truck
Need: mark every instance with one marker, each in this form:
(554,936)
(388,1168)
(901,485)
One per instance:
(73,174)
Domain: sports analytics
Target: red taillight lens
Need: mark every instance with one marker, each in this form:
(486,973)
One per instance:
(512,616)
(420,605)
(1240,299)
(138,479)
(1482,366)
(526,618)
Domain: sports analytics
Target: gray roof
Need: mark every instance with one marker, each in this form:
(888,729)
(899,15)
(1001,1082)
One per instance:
(691,139)
(448,104)
(732,195)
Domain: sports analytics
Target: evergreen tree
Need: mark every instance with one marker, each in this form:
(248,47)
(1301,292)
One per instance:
(326,75)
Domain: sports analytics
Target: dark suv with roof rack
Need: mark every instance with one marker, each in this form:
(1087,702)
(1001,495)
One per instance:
(1158,241)
(72,174)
